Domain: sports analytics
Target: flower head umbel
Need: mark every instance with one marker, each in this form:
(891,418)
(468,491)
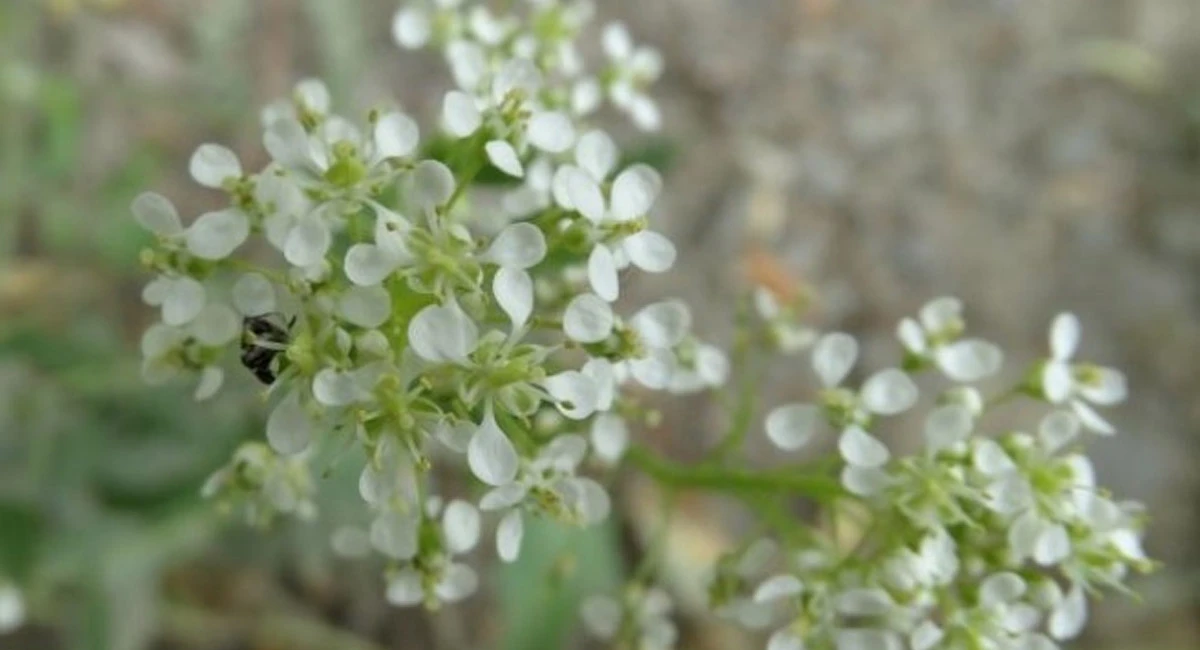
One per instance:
(406,316)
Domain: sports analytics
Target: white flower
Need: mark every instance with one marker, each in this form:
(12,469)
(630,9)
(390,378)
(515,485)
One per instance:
(588,319)
(633,69)
(936,335)
(1079,384)
(887,392)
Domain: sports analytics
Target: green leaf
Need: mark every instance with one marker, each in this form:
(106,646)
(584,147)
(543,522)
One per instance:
(22,528)
(559,566)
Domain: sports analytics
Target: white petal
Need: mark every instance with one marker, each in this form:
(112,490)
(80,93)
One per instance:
(468,62)
(314,95)
(368,265)
(411,27)
(396,136)
(504,157)
(1058,429)
(588,319)
(926,636)
(443,333)
(1067,620)
(461,525)
(513,289)
(596,153)
(889,392)
(859,448)
(289,428)
(1057,382)
(662,324)
(432,184)
(583,193)
(505,496)
(618,45)
(211,165)
(1064,336)
(865,602)
(395,535)
(405,588)
(184,300)
(650,251)
(308,241)
(791,427)
(602,273)
(593,504)
(991,459)
(491,455)
(216,325)
(785,639)
(778,587)
(574,392)
(941,314)
(602,616)
(211,379)
(460,114)
(654,371)
(634,192)
(516,74)
(458,582)
(833,356)
(367,307)
(215,235)
(1053,545)
(508,536)
(253,295)
(969,360)
(157,214)
(865,481)
(947,426)
(333,388)
(288,144)
(1092,421)
(551,131)
(1108,387)
(1001,588)
(645,112)
(610,437)
(911,336)
(519,246)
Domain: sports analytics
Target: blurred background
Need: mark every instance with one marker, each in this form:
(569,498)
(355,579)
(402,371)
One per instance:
(1026,155)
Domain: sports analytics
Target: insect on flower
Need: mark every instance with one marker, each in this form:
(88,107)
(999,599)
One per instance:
(263,338)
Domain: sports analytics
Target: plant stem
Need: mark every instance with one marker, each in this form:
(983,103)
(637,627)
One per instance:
(801,480)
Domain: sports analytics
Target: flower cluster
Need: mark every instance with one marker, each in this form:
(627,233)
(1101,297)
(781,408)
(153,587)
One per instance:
(983,539)
(397,311)
(393,308)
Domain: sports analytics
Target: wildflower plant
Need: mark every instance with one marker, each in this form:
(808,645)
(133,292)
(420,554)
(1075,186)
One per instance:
(434,326)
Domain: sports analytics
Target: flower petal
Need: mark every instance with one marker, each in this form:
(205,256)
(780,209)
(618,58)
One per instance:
(662,324)
(833,357)
(969,360)
(460,114)
(588,319)
(215,235)
(156,213)
(889,392)
(504,157)
(791,427)
(513,289)
(253,295)
(610,437)
(596,153)
(211,165)
(861,449)
(778,587)
(508,536)
(602,273)
(491,455)
(289,429)
(650,251)
(551,131)
(634,192)
(396,136)
(461,526)
(367,307)
(519,246)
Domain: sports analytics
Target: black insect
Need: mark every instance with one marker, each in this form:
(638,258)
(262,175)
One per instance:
(263,339)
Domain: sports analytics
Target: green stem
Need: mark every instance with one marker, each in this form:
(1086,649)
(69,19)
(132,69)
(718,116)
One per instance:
(801,480)
(743,366)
